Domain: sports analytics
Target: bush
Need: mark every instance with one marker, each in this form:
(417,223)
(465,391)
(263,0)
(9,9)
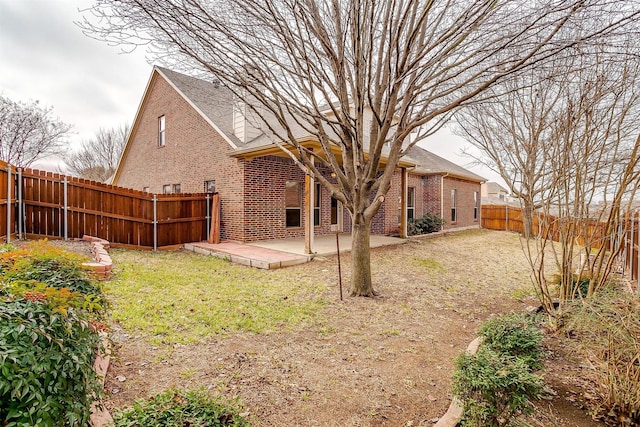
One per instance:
(49,314)
(174,408)
(579,284)
(498,382)
(47,264)
(516,335)
(424,225)
(47,375)
(494,387)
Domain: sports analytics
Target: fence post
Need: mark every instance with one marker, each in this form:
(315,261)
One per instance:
(207,214)
(65,208)
(8,203)
(20,206)
(506,210)
(155,222)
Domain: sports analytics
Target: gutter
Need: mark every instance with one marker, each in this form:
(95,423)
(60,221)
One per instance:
(442,177)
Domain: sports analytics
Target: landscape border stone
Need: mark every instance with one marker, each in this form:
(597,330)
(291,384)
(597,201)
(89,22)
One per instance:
(102,264)
(101,268)
(454,414)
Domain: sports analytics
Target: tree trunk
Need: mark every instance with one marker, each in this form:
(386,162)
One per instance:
(527,220)
(361,285)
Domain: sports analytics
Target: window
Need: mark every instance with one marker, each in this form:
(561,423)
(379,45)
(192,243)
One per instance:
(411,203)
(210,186)
(334,211)
(166,189)
(454,201)
(476,205)
(145,189)
(292,195)
(161,131)
(316,205)
(176,188)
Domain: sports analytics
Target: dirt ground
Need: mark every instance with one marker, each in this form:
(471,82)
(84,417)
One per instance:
(385,361)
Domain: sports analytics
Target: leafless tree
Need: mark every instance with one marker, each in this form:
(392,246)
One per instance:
(98,158)
(366,78)
(598,160)
(29,132)
(513,133)
(566,143)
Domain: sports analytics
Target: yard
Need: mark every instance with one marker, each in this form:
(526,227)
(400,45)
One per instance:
(294,354)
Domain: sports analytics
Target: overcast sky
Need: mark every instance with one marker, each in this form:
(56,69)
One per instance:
(44,56)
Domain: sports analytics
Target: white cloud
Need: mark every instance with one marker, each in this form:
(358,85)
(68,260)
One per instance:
(44,56)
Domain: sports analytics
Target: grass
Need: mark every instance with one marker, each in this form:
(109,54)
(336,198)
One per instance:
(429,264)
(177,297)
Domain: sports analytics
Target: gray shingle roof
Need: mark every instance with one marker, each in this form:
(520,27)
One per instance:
(431,164)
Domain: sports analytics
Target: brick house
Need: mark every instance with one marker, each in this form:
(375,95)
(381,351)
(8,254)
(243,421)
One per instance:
(188,136)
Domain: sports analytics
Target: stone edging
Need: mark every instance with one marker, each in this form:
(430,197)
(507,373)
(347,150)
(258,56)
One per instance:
(101,266)
(454,414)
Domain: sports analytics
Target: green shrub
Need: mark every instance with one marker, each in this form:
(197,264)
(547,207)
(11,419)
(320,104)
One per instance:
(175,408)
(41,262)
(494,387)
(579,284)
(424,225)
(47,375)
(49,318)
(515,335)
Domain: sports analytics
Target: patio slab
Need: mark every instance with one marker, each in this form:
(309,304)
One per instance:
(324,245)
(251,256)
(270,254)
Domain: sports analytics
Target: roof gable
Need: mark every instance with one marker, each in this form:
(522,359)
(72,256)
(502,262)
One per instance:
(213,102)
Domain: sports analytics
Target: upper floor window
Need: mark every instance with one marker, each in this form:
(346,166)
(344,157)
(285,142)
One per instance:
(176,188)
(161,131)
(166,189)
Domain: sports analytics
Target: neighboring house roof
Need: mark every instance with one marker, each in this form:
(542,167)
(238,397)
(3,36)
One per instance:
(432,164)
(495,188)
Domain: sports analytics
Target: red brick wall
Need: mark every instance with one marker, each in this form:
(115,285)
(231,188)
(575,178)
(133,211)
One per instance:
(193,153)
(465,202)
(431,195)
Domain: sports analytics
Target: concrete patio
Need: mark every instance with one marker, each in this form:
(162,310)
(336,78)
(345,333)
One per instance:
(270,254)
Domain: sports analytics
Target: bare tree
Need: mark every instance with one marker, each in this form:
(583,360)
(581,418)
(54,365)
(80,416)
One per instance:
(513,132)
(566,143)
(98,158)
(361,76)
(29,132)
(598,160)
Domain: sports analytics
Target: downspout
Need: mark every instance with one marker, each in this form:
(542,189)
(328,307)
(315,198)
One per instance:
(442,177)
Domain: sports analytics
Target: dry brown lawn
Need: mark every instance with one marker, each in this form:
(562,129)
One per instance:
(385,361)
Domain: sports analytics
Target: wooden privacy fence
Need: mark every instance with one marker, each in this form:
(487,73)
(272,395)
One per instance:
(509,218)
(37,204)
